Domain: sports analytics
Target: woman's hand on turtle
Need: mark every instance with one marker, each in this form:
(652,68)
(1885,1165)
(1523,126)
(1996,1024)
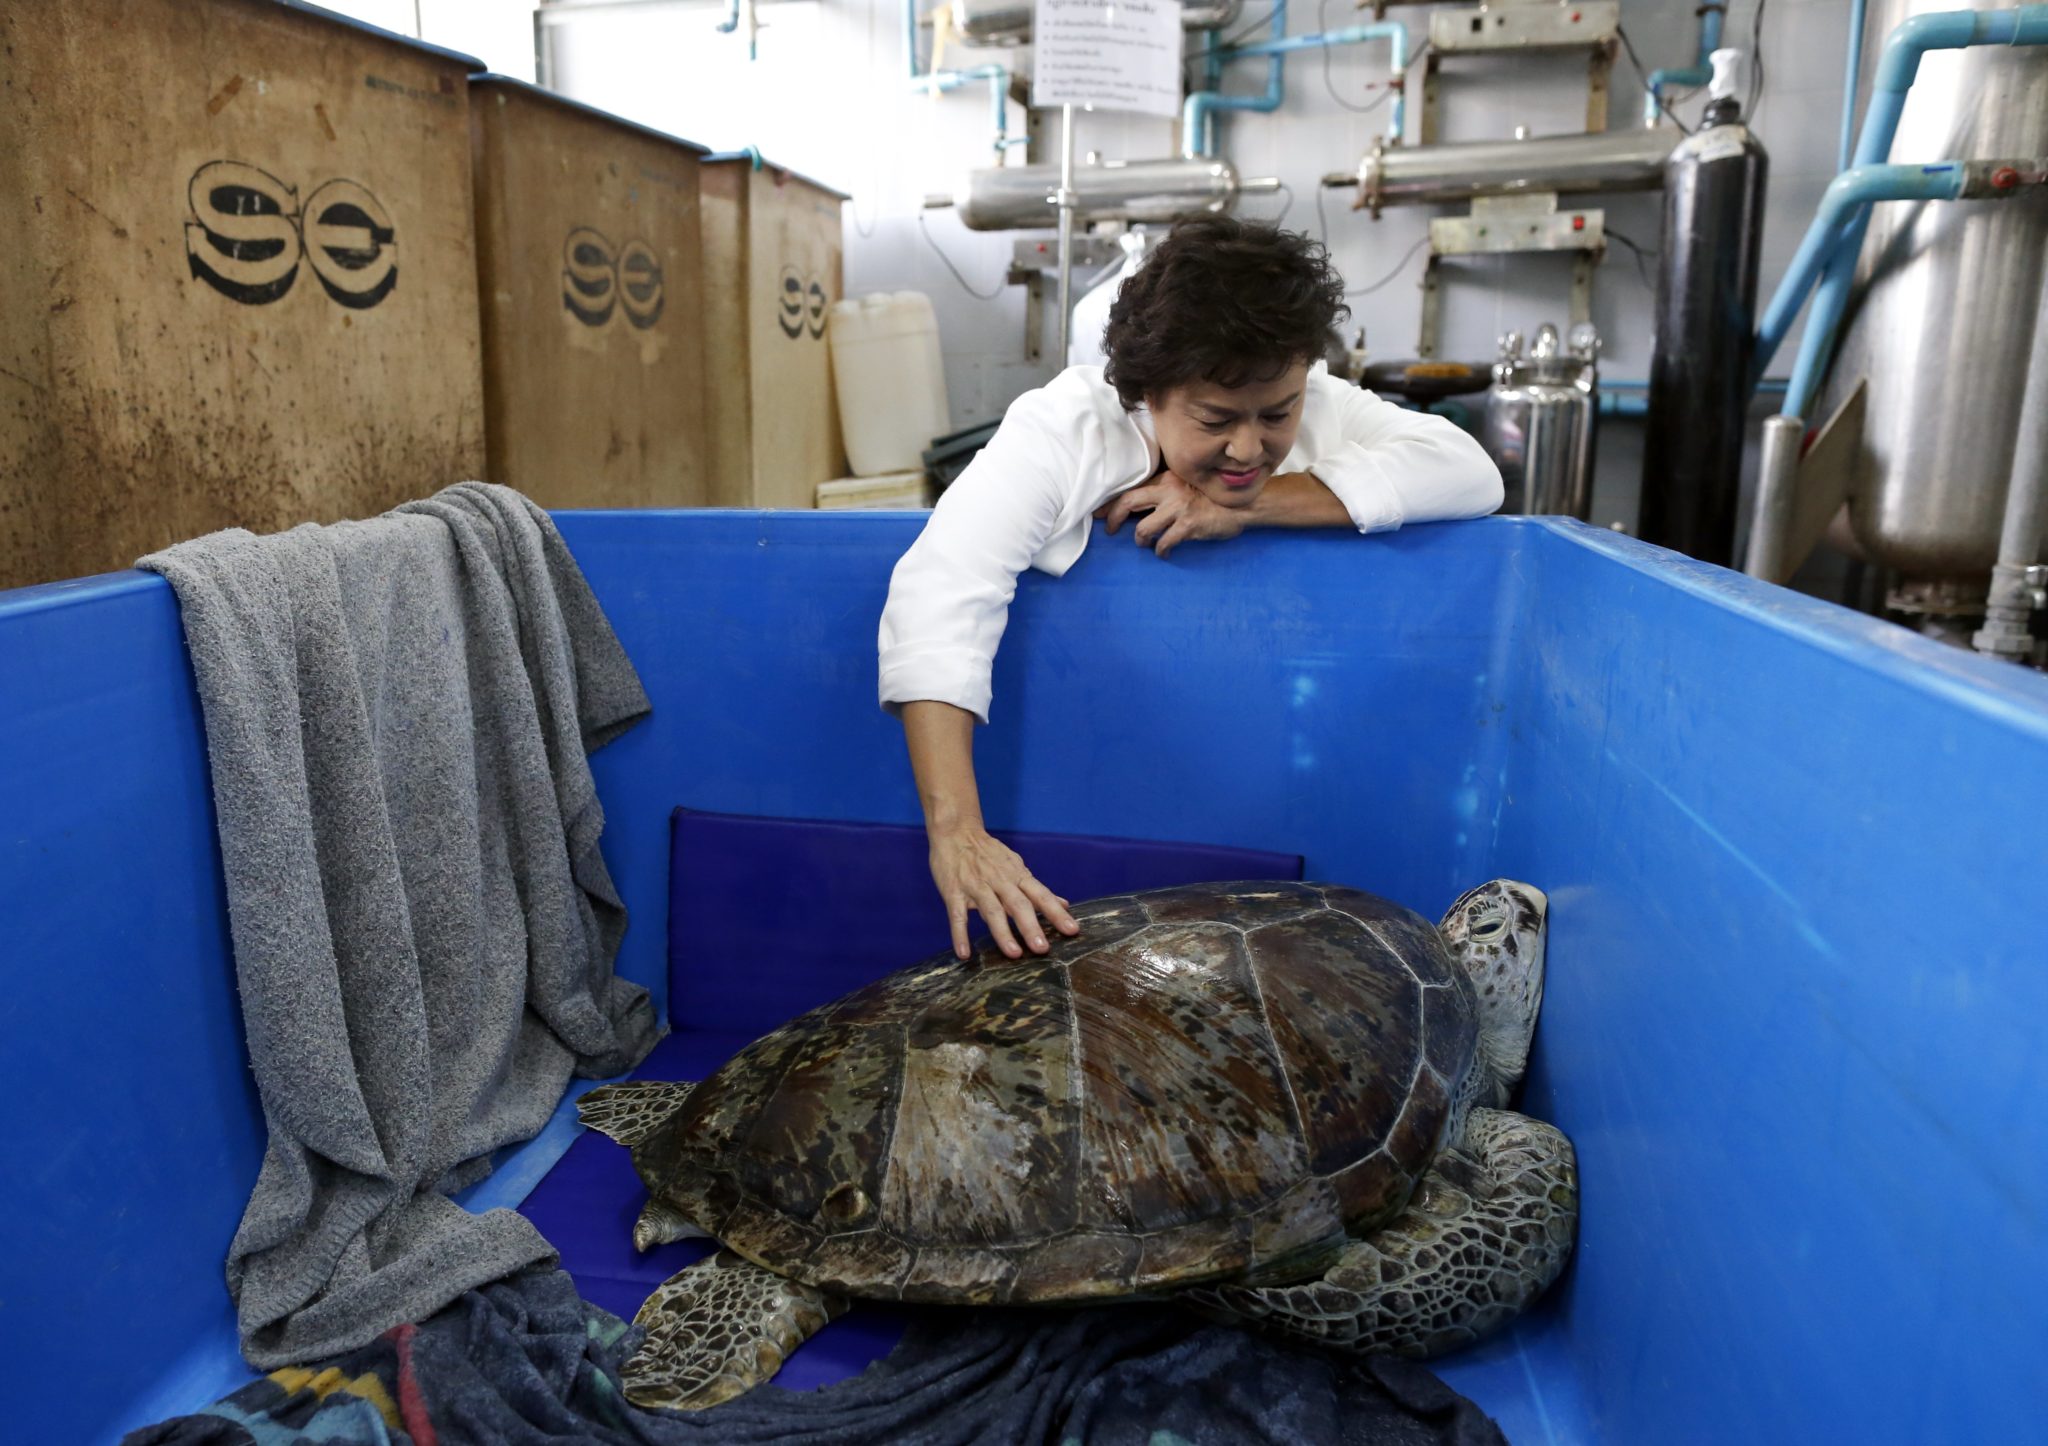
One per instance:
(1172,513)
(976,872)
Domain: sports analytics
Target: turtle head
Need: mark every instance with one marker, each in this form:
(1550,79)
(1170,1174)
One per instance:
(1495,934)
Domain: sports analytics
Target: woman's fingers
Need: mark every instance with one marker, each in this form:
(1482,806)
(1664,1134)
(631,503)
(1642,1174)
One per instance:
(1019,908)
(979,874)
(991,906)
(956,916)
(1177,532)
(1051,905)
(1157,521)
(1119,508)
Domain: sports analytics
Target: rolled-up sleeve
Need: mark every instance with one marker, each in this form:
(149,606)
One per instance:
(949,597)
(1389,466)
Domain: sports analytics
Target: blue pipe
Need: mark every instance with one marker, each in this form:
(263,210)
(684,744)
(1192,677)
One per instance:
(1623,404)
(1698,73)
(1770,386)
(941,81)
(1391,31)
(732,23)
(1195,138)
(1852,81)
(998,80)
(1835,238)
(1839,224)
(1197,130)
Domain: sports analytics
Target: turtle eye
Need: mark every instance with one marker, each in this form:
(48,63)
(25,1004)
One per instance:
(1489,926)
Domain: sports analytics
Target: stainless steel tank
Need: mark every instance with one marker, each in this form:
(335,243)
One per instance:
(1008,22)
(1624,160)
(1943,324)
(1539,422)
(1012,198)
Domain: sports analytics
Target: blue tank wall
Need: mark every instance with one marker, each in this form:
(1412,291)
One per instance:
(1310,695)
(1793,858)
(1793,1022)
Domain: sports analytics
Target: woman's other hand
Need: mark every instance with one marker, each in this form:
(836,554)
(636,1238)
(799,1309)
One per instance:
(976,872)
(1172,513)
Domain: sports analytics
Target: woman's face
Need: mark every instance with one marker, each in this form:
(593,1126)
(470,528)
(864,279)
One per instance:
(1225,442)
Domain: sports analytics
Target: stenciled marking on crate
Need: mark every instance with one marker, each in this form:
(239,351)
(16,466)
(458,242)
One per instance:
(249,233)
(801,305)
(598,279)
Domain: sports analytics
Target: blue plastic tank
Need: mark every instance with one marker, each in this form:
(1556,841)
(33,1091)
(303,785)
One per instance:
(1795,993)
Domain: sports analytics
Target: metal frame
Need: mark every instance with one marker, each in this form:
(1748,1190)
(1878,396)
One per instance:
(1505,225)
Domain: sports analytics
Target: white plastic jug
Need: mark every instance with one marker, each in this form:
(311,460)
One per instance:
(889,378)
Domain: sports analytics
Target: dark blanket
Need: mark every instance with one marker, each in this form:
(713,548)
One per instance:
(525,1361)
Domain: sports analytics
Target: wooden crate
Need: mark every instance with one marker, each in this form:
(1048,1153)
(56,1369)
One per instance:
(237,275)
(590,264)
(771,273)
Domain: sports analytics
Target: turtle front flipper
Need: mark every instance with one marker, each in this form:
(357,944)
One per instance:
(1488,1229)
(633,1109)
(719,1329)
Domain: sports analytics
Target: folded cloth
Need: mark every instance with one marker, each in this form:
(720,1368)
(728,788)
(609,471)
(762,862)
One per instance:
(524,1362)
(398,714)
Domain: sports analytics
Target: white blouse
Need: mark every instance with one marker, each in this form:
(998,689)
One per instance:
(1028,500)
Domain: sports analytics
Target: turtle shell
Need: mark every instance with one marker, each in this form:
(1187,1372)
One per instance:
(1206,1081)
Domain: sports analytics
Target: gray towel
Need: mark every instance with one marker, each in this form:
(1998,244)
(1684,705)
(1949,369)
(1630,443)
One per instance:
(397,717)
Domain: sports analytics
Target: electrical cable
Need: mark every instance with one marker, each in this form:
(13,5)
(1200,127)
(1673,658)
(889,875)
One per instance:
(1644,76)
(932,241)
(1323,25)
(1643,255)
(1399,266)
(1756,61)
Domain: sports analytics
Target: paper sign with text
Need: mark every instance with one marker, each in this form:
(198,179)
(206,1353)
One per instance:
(1123,55)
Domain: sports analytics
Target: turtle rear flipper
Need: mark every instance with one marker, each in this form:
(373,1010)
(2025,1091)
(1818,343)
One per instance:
(1489,1227)
(717,1330)
(633,1109)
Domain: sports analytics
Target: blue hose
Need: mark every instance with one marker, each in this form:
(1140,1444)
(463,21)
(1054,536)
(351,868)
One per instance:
(1698,73)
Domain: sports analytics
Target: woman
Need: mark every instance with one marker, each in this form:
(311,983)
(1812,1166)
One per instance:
(1207,419)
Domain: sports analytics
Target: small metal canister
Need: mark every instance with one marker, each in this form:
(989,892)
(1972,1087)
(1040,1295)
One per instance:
(1539,421)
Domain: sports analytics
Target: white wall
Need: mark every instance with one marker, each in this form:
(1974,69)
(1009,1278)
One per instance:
(826,96)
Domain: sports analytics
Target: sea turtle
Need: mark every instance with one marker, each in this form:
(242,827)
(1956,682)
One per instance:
(1278,1102)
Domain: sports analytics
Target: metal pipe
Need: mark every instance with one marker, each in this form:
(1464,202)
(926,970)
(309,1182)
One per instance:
(1627,160)
(1066,200)
(1195,139)
(1777,495)
(1698,73)
(2017,582)
(1837,251)
(1014,198)
(1852,82)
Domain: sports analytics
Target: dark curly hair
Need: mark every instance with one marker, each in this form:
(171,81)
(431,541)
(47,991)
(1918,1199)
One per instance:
(1221,300)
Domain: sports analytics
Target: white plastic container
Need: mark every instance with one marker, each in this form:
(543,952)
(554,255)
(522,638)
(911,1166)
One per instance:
(890,492)
(890,380)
